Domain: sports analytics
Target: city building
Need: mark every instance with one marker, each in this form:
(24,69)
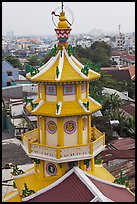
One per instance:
(122,58)
(123,73)
(9,74)
(64,145)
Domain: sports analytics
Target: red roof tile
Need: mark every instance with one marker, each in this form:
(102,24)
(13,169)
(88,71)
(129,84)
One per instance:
(109,154)
(129,108)
(124,143)
(74,188)
(127,73)
(69,190)
(114,193)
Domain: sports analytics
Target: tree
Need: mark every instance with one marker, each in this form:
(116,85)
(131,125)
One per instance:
(98,53)
(33,60)
(46,58)
(14,61)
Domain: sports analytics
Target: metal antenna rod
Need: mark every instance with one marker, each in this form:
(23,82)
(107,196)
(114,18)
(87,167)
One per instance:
(62,5)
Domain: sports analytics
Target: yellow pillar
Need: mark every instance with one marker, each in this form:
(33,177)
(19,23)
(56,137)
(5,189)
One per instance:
(39,90)
(38,127)
(92,165)
(78,91)
(59,93)
(82,165)
(89,128)
(43,130)
(60,131)
(43,91)
(87,93)
(41,169)
(80,130)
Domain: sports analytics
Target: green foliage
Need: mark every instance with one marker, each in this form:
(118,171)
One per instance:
(70,50)
(57,72)
(60,165)
(98,53)
(37,161)
(86,105)
(27,100)
(16,171)
(26,192)
(46,58)
(14,185)
(33,60)
(40,63)
(14,61)
(86,162)
(33,105)
(98,159)
(73,163)
(123,180)
(53,51)
(57,107)
(31,69)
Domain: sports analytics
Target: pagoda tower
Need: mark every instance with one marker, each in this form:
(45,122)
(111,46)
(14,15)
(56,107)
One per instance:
(64,139)
(64,136)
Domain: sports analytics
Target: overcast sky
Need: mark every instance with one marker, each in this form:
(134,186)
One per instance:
(34,18)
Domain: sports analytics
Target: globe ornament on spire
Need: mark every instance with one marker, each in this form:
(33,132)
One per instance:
(63,26)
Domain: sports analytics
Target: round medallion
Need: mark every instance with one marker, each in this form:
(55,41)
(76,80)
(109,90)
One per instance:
(51,127)
(51,169)
(70,127)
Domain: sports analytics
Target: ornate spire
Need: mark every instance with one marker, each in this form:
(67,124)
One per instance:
(63,28)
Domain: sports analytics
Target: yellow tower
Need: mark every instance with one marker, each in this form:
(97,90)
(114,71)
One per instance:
(64,137)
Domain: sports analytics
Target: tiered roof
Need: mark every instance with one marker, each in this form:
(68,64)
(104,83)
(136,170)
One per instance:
(69,70)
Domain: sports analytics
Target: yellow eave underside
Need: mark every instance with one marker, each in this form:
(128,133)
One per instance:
(68,109)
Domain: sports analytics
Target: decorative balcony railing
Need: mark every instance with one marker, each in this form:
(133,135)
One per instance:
(62,154)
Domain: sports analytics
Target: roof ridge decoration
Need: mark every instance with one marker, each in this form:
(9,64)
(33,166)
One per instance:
(83,177)
(74,66)
(49,65)
(60,65)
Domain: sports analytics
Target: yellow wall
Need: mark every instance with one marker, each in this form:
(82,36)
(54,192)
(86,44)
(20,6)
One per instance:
(70,139)
(85,130)
(51,139)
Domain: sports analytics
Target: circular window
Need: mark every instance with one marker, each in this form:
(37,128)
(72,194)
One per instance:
(51,169)
(70,127)
(51,127)
(84,123)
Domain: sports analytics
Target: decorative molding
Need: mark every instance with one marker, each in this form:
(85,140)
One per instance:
(38,106)
(93,100)
(60,105)
(60,66)
(52,123)
(74,66)
(48,66)
(81,103)
(25,174)
(11,196)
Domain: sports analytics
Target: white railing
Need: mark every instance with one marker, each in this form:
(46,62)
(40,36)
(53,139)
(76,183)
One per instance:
(98,144)
(75,151)
(97,134)
(25,144)
(37,150)
(43,150)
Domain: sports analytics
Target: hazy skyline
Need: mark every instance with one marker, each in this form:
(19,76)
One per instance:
(34,18)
